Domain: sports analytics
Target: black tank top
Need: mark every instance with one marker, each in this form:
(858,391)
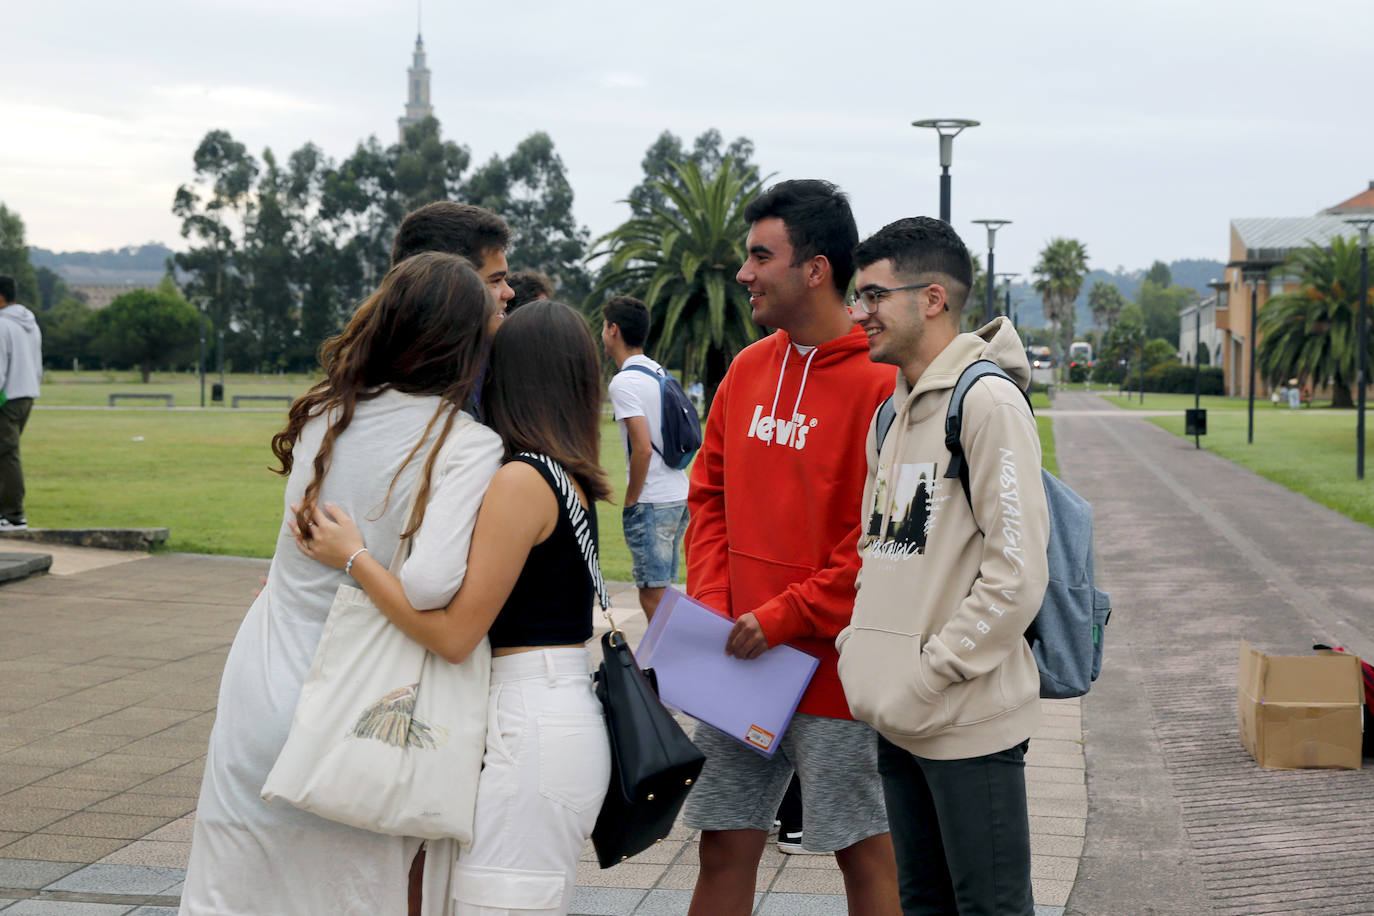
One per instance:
(551,604)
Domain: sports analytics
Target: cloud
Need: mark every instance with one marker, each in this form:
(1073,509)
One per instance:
(623,80)
(240,98)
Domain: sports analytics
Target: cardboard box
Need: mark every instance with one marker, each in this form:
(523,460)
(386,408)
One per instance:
(1300,711)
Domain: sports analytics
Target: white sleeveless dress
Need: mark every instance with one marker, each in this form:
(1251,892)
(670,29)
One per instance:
(251,858)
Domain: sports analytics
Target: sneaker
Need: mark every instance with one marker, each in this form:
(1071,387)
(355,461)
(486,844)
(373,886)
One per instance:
(790,843)
(7,525)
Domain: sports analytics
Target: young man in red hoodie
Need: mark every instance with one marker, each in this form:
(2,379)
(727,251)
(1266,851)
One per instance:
(775,519)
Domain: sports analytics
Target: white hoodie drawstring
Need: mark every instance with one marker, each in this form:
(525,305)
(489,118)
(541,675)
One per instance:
(777,392)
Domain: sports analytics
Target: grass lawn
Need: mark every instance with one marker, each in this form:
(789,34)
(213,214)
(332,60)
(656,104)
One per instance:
(93,389)
(1209,403)
(204,474)
(1307,452)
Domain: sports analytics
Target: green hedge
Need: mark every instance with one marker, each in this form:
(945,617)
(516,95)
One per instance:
(1176,378)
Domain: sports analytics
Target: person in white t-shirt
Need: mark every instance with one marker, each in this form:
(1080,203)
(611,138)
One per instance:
(655,508)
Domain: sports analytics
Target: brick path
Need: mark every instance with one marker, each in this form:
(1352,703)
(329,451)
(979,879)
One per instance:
(108,682)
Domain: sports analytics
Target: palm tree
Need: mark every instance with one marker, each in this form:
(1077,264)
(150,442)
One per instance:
(1311,332)
(1059,277)
(681,259)
(1105,301)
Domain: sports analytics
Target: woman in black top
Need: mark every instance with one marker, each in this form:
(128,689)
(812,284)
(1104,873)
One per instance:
(547,763)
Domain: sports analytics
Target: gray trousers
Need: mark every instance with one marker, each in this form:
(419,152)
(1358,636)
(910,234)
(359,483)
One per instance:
(13,416)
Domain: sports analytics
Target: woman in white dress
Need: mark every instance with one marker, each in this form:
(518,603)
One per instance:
(396,379)
(528,590)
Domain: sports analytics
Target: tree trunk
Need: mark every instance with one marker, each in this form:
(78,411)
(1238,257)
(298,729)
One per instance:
(1340,396)
(714,374)
(147,367)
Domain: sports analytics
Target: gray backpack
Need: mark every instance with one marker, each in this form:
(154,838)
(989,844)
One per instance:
(1066,635)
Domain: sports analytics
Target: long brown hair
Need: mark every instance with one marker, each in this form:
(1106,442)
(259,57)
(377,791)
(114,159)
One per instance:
(424,331)
(543,391)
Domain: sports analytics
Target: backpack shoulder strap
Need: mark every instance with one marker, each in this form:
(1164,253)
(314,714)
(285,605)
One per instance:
(954,418)
(662,378)
(887,412)
(647,371)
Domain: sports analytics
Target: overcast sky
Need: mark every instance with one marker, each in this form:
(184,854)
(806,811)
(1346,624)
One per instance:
(1139,129)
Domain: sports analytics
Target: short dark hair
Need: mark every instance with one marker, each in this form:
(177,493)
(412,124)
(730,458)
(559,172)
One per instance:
(543,391)
(529,286)
(7,287)
(454,228)
(921,245)
(818,221)
(631,316)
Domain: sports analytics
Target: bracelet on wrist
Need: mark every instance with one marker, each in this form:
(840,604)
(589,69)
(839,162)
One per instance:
(348,567)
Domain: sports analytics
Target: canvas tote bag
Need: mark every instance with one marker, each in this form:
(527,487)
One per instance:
(387,736)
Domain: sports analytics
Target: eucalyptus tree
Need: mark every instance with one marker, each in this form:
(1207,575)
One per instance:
(680,258)
(1059,276)
(1311,332)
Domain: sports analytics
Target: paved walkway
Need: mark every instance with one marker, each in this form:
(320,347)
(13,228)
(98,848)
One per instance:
(109,674)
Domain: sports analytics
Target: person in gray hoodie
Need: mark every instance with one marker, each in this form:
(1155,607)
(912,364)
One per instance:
(935,657)
(21,370)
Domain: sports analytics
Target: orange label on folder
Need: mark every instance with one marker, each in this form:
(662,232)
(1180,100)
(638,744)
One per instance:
(759,737)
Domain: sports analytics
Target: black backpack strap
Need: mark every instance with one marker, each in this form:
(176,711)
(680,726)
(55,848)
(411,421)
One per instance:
(662,396)
(887,412)
(954,419)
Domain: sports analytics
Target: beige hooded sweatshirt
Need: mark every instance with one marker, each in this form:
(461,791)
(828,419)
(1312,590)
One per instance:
(935,658)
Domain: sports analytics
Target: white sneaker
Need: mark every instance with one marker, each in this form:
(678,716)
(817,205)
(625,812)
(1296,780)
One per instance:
(7,525)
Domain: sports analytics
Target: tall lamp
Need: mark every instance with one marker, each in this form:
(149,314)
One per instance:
(992,225)
(1006,289)
(1252,272)
(1362,223)
(948,129)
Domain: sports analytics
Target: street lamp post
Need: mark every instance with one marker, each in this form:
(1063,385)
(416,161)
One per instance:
(948,129)
(1006,289)
(1362,223)
(202,354)
(1218,287)
(992,225)
(1253,272)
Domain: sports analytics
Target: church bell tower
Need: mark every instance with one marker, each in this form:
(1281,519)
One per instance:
(417,91)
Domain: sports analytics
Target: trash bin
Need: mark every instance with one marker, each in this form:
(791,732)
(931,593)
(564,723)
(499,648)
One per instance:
(217,393)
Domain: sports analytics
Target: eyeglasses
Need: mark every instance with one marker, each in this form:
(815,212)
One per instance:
(868,298)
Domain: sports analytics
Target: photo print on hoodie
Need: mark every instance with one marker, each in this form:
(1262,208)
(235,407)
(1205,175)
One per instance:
(913,511)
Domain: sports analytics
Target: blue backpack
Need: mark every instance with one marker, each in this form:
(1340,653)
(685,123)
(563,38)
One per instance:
(1066,635)
(680,428)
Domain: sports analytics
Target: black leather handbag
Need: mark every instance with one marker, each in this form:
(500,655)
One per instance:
(653,762)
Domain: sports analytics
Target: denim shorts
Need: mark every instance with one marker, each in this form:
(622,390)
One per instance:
(653,532)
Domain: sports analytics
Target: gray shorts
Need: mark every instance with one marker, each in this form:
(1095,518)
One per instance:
(836,761)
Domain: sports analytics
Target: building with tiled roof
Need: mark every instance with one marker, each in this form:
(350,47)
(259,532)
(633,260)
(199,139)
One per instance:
(1256,242)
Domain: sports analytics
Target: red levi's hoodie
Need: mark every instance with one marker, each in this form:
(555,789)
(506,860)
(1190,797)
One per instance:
(776,495)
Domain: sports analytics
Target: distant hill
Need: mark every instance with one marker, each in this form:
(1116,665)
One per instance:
(136,265)
(1193,273)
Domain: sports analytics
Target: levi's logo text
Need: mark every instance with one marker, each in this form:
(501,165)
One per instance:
(781,432)
(759,737)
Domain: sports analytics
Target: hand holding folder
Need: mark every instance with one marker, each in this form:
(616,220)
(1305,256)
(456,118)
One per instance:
(751,701)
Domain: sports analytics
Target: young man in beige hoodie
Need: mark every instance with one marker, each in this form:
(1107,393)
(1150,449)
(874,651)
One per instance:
(935,658)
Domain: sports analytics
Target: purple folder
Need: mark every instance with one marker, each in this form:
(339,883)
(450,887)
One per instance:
(749,700)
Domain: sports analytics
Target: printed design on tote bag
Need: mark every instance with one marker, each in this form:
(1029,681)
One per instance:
(392,720)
